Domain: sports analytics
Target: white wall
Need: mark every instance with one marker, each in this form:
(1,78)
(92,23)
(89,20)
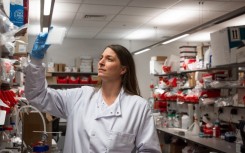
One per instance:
(73,48)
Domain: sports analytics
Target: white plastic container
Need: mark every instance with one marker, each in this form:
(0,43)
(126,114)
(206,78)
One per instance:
(56,36)
(185,121)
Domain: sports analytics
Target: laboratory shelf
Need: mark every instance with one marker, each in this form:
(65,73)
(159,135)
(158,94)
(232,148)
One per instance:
(215,144)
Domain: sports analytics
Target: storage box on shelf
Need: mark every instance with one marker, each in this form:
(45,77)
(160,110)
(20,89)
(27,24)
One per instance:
(71,79)
(228,46)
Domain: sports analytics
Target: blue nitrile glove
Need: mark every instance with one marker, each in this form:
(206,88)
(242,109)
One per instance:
(39,48)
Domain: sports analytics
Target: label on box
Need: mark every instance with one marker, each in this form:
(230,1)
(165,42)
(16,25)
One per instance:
(22,48)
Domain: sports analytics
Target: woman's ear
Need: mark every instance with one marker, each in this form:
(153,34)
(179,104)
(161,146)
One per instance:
(124,70)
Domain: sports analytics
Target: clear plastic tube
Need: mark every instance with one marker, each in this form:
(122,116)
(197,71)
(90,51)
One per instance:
(17,119)
(6,150)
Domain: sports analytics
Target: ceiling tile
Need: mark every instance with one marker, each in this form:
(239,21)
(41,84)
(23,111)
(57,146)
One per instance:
(68,1)
(141,11)
(174,17)
(65,18)
(66,7)
(82,33)
(99,9)
(220,6)
(188,5)
(153,3)
(112,35)
(83,29)
(89,23)
(119,30)
(81,17)
(132,18)
(127,25)
(107,2)
(123,17)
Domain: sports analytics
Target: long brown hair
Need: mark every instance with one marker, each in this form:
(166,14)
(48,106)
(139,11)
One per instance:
(129,79)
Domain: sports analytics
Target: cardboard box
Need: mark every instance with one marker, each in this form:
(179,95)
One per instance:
(187,48)
(158,58)
(51,79)
(33,122)
(156,64)
(225,44)
(21,44)
(61,67)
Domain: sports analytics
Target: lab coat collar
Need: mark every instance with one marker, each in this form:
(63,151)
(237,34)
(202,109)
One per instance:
(113,110)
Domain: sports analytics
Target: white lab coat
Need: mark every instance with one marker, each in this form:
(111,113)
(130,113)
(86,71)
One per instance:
(118,128)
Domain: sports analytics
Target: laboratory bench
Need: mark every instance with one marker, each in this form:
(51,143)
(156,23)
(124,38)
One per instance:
(214,144)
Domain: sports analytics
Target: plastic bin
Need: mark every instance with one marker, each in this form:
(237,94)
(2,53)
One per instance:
(62,80)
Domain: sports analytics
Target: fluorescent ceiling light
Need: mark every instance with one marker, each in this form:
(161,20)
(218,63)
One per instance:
(142,51)
(141,34)
(199,37)
(176,38)
(47,7)
(171,17)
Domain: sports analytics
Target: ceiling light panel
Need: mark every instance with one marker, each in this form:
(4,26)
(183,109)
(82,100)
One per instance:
(172,17)
(141,34)
(200,37)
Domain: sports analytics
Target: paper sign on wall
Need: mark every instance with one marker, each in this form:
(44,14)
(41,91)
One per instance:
(2,117)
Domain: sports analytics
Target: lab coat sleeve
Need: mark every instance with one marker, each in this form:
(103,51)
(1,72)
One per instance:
(147,139)
(46,99)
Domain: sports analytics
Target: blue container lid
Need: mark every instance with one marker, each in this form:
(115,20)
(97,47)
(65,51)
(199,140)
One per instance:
(42,148)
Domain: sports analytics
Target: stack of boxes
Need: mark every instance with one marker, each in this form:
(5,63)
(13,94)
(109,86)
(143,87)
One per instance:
(187,55)
(86,64)
(228,46)
(95,65)
(156,64)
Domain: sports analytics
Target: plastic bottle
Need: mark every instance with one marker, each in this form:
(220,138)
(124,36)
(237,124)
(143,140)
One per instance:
(216,130)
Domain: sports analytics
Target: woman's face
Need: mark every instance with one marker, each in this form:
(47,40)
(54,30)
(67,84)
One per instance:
(109,66)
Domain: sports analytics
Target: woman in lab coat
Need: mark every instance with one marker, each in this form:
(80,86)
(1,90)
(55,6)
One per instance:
(111,119)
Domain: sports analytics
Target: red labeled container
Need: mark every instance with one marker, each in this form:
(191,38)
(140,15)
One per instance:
(62,80)
(74,80)
(85,79)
